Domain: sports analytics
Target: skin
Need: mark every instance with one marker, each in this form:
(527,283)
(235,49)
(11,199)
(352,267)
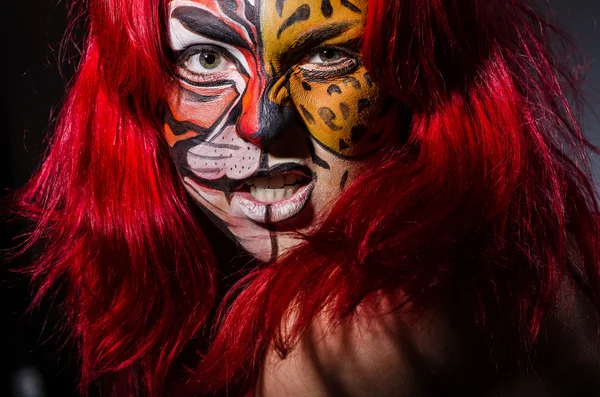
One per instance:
(288,93)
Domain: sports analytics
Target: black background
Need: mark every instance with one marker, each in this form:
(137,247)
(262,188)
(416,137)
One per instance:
(32,88)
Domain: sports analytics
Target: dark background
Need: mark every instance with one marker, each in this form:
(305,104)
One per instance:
(32,88)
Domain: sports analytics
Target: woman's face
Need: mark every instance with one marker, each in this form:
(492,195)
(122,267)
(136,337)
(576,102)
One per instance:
(274,113)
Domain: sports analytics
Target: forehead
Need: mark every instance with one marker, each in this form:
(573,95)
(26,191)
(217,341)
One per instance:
(272,20)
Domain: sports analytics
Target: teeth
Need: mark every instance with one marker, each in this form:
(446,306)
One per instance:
(275,188)
(267,195)
(276,182)
(279,194)
(290,179)
(259,182)
(290,190)
(258,194)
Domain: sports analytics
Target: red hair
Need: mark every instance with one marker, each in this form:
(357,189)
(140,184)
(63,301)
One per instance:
(491,196)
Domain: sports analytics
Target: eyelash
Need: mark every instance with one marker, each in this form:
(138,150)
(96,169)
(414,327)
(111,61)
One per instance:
(349,62)
(199,78)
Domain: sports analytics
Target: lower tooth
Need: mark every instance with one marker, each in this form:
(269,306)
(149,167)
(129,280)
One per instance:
(269,195)
(279,194)
(289,191)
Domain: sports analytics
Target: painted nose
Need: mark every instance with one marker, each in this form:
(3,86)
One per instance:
(265,113)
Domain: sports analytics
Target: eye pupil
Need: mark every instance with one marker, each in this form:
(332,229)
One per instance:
(329,55)
(210,60)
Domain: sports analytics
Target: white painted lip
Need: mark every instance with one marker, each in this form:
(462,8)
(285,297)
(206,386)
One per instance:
(272,212)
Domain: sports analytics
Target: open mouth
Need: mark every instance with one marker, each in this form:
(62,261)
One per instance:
(276,194)
(276,188)
(269,196)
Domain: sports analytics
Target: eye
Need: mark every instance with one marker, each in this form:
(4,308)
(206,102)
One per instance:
(330,62)
(207,61)
(327,55)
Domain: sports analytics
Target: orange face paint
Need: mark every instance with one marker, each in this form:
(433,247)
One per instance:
(271,91)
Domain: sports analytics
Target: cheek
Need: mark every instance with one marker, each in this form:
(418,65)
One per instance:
(200,131)
(345,115)
(195,111)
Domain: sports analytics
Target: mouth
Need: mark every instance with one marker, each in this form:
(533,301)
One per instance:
(276,194)
(273,189)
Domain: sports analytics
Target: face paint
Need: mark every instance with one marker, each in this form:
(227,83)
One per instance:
(274,113)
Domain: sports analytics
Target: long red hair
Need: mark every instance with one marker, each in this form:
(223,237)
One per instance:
(491,195)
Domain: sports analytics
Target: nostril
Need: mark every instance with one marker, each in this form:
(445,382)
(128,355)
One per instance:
(273,121)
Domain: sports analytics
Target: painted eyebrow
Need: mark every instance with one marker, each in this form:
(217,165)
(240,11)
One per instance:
(312,38)
(207,24)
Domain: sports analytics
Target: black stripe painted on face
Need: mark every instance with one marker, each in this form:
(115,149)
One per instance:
(229,8)
(207,24)
(345,109)
(251,15)
(318,161)
(357,132)
(182,127)
(273,237)
(221,145)
(363,104)
(328,117)
(302,13)
(343,145)
(353,82)
(368,79)
(264,160)
(192,96)
(334,88)
(344,180)
(217,83)
(279,6)
(326,8)
(350,6)
(307,115)
(309,40)
(324,77)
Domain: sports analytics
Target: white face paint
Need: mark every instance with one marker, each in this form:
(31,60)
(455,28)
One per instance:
(245,144)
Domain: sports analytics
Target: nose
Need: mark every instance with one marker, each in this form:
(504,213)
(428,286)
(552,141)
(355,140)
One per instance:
(266,112)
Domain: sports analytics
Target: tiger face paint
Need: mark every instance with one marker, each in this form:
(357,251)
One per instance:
(274,113)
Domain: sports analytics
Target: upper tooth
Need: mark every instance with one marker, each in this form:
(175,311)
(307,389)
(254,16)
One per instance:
(269,195)
(260,182)
(279,194)
(259,194)
(290,179)
(289,191)
(276,181)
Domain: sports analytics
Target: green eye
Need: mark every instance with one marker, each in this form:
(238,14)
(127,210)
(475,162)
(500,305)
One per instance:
(209,59)
(333,61)
(329,55)
(206,61)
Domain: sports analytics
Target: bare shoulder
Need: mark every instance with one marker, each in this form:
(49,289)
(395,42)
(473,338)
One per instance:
(374,353)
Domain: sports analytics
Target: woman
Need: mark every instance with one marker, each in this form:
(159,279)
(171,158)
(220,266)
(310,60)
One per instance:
(409,175)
